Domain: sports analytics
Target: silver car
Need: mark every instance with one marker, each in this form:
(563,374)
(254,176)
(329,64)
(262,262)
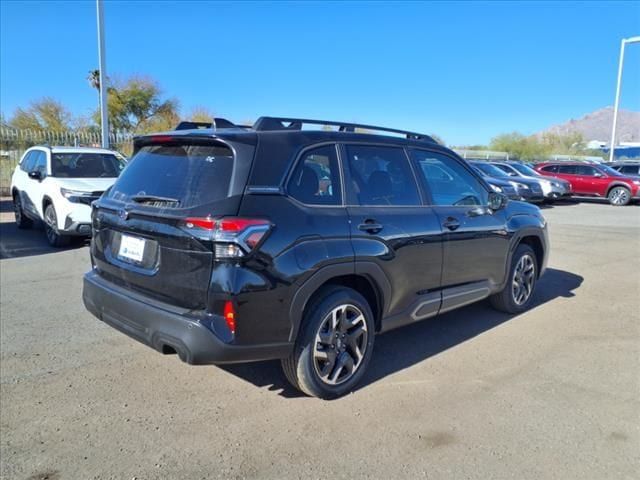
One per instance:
(552,188)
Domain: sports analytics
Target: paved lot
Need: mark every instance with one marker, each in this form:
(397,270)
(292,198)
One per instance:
(553,393)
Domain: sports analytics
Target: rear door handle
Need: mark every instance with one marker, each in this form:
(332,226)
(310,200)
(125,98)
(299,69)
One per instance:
(451,223)
(370,226)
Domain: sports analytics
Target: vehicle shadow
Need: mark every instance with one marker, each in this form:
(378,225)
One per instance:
(400,349)
(15,243)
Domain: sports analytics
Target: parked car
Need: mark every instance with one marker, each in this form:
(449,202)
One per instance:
(629,169)
(56,185)
(552,188)
(222,245)
(528,189)
(500,186)
(594,180)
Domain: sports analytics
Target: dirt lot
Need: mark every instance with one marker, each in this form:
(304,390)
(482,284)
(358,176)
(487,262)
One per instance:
(552,393)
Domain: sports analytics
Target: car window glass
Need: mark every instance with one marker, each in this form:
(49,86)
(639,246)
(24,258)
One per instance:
(316,179)
(40,163)
(567,169)
(29,161)
(448,181)
(586,170)
(86,165)
(381,176)
(508,170)
(629,169)
(550,168)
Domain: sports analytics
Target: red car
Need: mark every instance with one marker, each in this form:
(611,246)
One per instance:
(594,180)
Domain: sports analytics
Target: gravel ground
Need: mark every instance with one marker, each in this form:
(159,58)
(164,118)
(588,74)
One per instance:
(552,393)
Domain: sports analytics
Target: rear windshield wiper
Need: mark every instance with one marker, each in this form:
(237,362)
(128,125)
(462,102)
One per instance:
(153,198)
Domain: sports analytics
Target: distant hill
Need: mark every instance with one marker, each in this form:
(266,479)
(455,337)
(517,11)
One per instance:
(597,126)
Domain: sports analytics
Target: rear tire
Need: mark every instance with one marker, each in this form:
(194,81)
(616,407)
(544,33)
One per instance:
(517,294)
(619,196)
(22,221)
(334,345)
(54,237)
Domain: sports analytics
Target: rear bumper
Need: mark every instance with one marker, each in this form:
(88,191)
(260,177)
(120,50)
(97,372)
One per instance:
(157,327)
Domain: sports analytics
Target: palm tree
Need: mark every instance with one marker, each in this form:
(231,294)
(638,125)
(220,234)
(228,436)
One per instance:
(94,79)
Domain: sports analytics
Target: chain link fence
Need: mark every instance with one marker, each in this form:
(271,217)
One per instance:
(14,142)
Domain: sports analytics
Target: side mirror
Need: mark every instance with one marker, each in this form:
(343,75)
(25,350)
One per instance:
(598,175)
(497,201)
(35,175)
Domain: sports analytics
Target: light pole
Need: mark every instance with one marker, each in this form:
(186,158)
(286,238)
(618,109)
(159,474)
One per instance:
(615,108)
(104,116)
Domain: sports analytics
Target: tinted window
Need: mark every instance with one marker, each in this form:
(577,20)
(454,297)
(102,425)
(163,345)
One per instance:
(629,169)
(181,176)
(448,181)
(567,169)
(85,165)
(381,176)
(508,170)
(29,161)
(490,170)
(316,180)
(40,163)
(550,168)
(586,170)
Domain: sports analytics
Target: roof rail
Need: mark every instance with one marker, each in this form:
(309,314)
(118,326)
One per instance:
(281,123)
(215,123)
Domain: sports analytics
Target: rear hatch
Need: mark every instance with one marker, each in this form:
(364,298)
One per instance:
(139,237)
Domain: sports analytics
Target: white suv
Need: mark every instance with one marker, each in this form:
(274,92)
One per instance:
(56,185)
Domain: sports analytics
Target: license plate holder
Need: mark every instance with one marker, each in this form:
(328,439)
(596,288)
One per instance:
(131,248)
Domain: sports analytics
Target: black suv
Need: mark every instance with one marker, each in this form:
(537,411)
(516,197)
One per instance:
(237,244)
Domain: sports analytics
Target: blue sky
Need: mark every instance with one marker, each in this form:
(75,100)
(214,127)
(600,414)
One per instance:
(466,71)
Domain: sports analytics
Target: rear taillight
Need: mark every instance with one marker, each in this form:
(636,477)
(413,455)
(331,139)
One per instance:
(233,237)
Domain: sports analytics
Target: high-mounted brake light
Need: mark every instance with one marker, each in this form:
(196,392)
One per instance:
(162,138)
(230,316)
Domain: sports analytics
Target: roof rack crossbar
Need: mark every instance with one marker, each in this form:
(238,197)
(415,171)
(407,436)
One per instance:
(279,123)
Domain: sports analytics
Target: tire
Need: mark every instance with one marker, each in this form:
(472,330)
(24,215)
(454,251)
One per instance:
(22,221)
(518,292)
(619,196)
(54,237)
(334,345)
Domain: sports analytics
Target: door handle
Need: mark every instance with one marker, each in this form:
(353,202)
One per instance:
(370,226)
(451,223)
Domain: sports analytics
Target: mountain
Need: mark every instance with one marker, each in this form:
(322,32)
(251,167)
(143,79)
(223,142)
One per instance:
(597,126)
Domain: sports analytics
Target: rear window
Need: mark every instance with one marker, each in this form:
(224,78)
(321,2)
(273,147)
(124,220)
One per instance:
(176,176)
(86,165)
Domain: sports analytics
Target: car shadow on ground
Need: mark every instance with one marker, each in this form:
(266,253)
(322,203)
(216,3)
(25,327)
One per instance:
(400,349)
(15,243)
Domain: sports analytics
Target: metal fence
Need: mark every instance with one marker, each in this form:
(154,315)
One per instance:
(14,142)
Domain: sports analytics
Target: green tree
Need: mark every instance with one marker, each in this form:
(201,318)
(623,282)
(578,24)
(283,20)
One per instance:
(520,146)
(136,105)
(44,114)
(199,114)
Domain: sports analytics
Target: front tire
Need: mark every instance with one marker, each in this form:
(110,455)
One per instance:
(54,237)
(619,196)
(334,345)
(22,221)
(517,294)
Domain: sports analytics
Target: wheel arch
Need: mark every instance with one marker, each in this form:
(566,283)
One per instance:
(613,185)
(366,278)
(537,246)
